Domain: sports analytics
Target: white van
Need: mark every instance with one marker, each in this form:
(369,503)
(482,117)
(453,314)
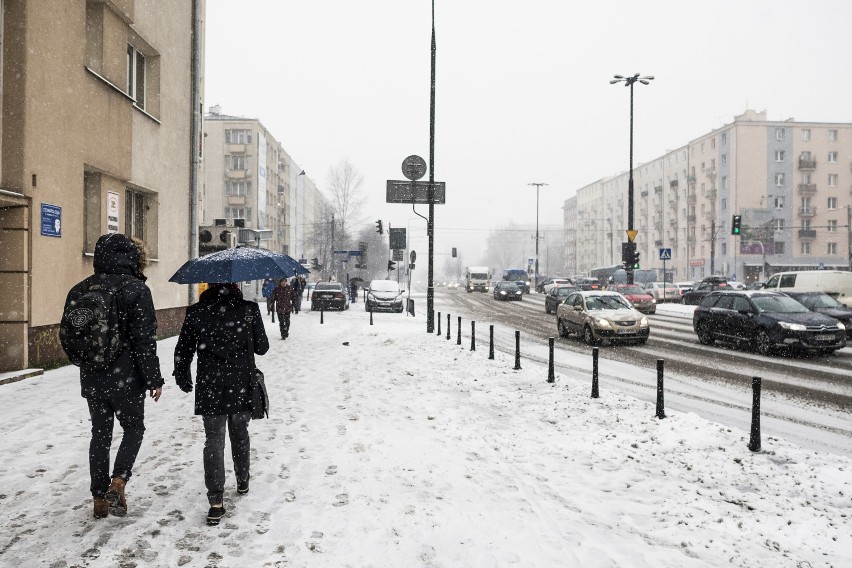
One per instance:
(835,283)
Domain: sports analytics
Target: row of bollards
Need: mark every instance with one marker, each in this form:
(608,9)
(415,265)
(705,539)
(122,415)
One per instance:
(754,439)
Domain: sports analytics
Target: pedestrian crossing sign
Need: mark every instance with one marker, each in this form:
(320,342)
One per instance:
(665,254)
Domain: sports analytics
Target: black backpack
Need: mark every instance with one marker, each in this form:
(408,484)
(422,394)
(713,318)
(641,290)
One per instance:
(91,326)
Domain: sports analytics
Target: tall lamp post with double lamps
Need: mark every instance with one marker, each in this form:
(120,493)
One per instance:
(537,187)
(628,82)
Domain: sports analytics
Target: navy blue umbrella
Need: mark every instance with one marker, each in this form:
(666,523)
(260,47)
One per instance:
(238,265)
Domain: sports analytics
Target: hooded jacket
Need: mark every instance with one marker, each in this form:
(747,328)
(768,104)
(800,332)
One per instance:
(137,367)
(216,328)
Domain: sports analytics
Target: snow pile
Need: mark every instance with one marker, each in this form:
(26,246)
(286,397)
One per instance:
(391,447)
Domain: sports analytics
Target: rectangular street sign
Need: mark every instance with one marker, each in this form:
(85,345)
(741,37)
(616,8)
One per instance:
(396,237)
(397,254)
(665,254)
(414,192)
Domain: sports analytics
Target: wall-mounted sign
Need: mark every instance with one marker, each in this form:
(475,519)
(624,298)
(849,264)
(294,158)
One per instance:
(51,220)
(112,212)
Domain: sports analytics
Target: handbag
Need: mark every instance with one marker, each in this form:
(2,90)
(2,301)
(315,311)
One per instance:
(259,396)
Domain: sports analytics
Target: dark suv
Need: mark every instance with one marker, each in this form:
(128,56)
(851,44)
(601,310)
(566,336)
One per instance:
(766,321)
(709,284)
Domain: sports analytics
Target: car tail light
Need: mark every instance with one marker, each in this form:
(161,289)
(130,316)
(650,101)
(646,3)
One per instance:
(314,297)
(339,295)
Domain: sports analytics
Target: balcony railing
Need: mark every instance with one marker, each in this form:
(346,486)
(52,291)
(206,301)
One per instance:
(237,174)
(236,148)
(807,164)
(807,211)
(807,188)
(807,234)
(691,199)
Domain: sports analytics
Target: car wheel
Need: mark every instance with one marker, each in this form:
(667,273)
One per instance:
(763,344)
(546,308)
(588,336)
(563,331)
(705,337)
(642,341)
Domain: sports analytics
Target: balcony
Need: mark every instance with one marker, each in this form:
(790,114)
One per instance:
(236,200)
(658,189)
(673,184)
(710,193)
(807,211)
(236,148)
(807,164)
(236,174)
(807,188)
(691,199)
(690,218)
(643,194)
(658,243)
(807,234)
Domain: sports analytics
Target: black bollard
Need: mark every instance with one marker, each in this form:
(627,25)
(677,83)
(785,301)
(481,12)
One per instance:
(439,325)
(754,439)
(458,341)
(491,342)
(371,317)
(661,407)
(322,313)
(595,393)
(473,335)
(517,350)
(551,373)
(449,327)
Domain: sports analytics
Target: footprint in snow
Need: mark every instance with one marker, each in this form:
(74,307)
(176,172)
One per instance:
(331,470)
(342,499)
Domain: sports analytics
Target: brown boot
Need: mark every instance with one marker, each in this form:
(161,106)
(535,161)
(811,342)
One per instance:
(101,507)
(115,497)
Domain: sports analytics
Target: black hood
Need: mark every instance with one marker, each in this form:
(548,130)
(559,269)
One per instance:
(223,294)
(117,254)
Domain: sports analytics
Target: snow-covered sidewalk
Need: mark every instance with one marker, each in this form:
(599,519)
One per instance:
(388,447)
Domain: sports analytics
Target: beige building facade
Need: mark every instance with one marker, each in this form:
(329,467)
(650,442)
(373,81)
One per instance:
(108,148)
(790,182)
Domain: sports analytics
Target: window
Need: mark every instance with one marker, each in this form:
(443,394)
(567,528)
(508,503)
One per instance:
(806,134)
(724,182)
(831,248)
(832,203)
(806,223)
(787,281)
(136,76)
(712,143)
(832,180)
(724,249)
(779,155)
(832,135)
(779,203)
(135,208)
(779,180)
(235,187)
(238,162)
(778,248)
(832,157)
(778,224)
(779,134)
(831,227)
(724,205)
(805,248)
(806,179)
(724,159)
(724,138)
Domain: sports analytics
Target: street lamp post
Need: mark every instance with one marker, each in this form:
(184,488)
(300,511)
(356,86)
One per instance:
(537,188)
(628,82)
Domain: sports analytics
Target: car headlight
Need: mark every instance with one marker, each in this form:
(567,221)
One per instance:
(602,323)
(840,326)
(371,297)
(792,326)
(653,300)
(502,293)
(643,322)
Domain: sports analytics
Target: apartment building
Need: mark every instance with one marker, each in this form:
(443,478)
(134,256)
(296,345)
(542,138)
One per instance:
(251,182)
(790,182)
(98,125)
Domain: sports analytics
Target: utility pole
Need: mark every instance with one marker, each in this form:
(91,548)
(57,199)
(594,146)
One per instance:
(537,187)
(430,225)
(712,247)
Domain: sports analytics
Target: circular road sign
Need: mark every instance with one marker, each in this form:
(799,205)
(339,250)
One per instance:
(414,167)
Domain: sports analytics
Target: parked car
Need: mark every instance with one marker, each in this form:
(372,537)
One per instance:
(508,291)
(587,283)
(765,320)
(384,295)
(663,291)
(596,315)
(556,296)
(824,304)
(329,295)
(709,284)
(636,295)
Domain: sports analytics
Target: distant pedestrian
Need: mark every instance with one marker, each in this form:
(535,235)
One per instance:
(353,287)
(298,287)
(283,301)
(117,356)
(268,288)
(217,328)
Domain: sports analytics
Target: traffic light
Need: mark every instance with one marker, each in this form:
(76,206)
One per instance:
(455,254)
(735,224)
(635,260)
(629,256)
(391,265)
(379,228)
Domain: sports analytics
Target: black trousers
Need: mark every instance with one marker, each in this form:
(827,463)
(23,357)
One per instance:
(214,451)
(131,415)
(284,323)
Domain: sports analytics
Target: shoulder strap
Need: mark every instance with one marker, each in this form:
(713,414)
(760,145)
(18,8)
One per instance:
(250,326)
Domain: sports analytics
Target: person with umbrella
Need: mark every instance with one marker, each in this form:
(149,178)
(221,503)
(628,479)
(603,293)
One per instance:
(220,328)
(283,300)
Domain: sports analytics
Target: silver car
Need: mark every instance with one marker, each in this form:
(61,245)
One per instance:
(596,315)
(664,291)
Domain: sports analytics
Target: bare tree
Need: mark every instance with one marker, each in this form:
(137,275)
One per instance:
(504,247)
(347,198)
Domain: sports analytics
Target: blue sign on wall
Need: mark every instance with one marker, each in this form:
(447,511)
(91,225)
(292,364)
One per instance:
(51,220)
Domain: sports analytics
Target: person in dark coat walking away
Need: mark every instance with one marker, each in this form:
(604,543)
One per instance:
(268,288)
(298,288)
(118,391)
(353,288)
(283,300)
(217,328)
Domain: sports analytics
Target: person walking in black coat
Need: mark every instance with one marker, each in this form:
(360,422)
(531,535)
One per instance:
(298,288)
(119,390)
(217,328)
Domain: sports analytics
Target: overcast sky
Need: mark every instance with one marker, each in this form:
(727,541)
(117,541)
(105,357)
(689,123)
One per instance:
(523,91)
